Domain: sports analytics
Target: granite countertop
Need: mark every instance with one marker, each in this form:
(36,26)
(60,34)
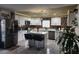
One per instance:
(37,32)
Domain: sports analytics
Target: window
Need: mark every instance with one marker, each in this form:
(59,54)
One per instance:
(56,21)
(46,23)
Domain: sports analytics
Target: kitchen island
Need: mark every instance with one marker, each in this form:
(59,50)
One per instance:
(37,39)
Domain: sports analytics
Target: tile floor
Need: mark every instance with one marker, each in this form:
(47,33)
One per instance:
(52,47)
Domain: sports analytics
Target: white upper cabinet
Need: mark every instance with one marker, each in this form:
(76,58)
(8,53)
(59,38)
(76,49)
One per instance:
(35,21)
(56,21)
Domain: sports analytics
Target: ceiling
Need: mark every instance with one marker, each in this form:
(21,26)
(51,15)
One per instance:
(22,7)
(39,10)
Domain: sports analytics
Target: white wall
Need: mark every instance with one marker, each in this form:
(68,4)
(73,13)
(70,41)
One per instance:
(78,15)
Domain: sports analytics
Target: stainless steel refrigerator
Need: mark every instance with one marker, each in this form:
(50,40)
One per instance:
(8,36)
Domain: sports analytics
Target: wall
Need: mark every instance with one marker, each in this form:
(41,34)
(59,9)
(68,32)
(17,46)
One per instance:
(78,14)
